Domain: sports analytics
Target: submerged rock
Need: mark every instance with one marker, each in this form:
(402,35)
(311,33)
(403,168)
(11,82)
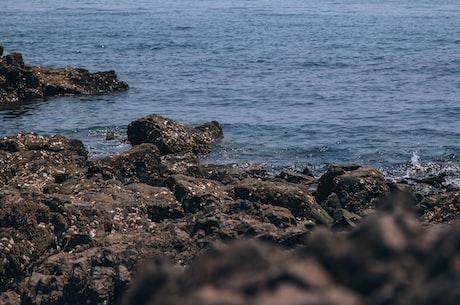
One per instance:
(20,82)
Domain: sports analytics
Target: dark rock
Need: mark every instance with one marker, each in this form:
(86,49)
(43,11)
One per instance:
(296,177)
(140,164)
(31,161)
(172,137)
(10,297)
(242,273)
(1,50)
(440,208)
(229,174)
(19,82)
(185,163)
(197,194)
(160,202)
(387,259)
(357,187)
(296,198)
(73,231)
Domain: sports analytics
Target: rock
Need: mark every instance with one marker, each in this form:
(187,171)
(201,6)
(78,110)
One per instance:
(20,82)
(30,161)
(185,163)
(197,194)
(140,164)
(74,231)
(357,187)
(1,50)
(440,208)
(172,137)
(230,174)
(242,273)
(10,297)
(388,259)
(296,198)
(296,177)
(160,202)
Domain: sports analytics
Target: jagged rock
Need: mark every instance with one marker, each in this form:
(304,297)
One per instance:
(357,187)
(31,160)
(185,163)
(173,137)
(296,177)
(73,231)
(196,193)
(19,82)
(10,298)
(242,273)
(440,208)
(229,174)
(296,198)
(160,202)
(140,164)
(389,258)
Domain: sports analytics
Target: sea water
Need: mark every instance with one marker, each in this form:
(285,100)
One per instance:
(294,83)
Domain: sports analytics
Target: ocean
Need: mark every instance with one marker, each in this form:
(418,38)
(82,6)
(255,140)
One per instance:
(294,83)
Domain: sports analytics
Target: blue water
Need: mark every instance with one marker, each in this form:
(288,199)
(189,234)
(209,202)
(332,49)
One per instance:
(293,82)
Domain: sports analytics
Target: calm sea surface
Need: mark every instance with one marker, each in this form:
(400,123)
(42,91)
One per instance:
(294,82)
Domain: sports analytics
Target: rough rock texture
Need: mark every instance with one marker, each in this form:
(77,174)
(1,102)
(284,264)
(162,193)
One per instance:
(296,198)
(74,231)
(388,259)
(172,137)
(20,82)
(350,188)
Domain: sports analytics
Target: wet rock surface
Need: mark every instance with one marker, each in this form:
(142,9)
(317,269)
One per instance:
(21,82)
(173,137)
(79,231)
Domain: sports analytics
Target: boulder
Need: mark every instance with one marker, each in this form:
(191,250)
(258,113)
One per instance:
(296,198)
(20,82)
(440,208)
(389,258)
(172,137)
(30,161)
(140,164)
(196,193)
(357,187)
(242,273)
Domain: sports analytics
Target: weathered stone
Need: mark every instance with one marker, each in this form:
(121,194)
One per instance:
(243,273)
(30,161)
(140,164)
(440,208)
(68,237)
(197,194)
(296,198)
(357,187)
(185,163)
(19,82)
(10,298)
(160,202)
(173,137)
(232,174)
(296,177)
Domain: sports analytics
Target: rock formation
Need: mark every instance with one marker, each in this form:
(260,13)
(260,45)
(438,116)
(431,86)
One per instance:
(78,231)
(21,82)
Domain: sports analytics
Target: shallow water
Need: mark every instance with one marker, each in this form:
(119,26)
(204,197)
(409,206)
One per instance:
(294,83)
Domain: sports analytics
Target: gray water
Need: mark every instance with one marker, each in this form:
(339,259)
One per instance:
(294,83)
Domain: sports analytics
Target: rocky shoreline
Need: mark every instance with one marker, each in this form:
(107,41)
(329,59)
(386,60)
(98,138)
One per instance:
(154,226)
(20,82)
